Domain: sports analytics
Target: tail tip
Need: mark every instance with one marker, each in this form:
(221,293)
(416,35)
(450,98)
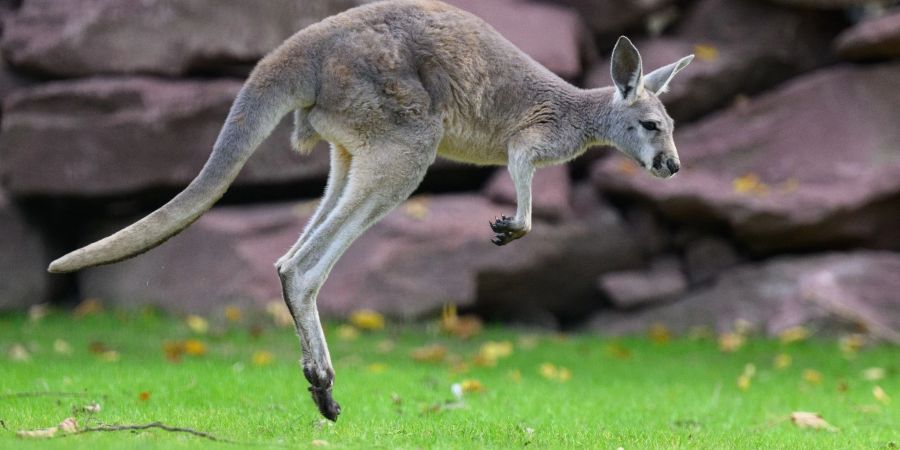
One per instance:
(61,265)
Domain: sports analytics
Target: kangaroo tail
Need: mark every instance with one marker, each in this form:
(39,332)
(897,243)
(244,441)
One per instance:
(254,114)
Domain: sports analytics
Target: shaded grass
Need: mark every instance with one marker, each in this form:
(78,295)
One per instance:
(631,393)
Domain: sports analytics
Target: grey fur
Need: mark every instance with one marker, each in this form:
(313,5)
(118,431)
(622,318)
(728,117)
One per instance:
(392,85)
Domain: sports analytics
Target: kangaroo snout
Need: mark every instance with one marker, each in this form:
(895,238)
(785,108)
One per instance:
(665,165)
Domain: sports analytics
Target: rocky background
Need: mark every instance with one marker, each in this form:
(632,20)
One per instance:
(787,211)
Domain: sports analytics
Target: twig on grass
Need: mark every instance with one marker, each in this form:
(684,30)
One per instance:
(51,394)
(159,425)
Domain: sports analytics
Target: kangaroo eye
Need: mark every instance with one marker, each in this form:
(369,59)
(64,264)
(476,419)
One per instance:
(649,126)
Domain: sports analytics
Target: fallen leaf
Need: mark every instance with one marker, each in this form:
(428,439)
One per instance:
(280,313)
(197,324)
(514,375)
(366,319)
(62,347)
(812,376)
(18,352)
(377,367)
(746,377)
(144,396)
(91,408)
(98,347)
(782,361)
(109,356)
(471,386)
(416,208)
(706,52)
(880,395)
(793,334)
(347,332)
(319,443)
(194,347)
(385,346)
(88,307)
(731,342)
(233,314)
(551,372)
(659,333)
(41,433)
(434,353)
(262,358)
(811,420)
(462,327)
(842,386)
(851,344)
(173,350)
(874,373)
(617,350)
(491,351)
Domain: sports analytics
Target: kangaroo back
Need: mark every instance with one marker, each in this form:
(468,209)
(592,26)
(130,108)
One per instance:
(254,114)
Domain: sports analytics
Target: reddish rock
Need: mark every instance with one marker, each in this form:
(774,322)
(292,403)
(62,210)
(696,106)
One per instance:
(77,38)
(23,260)
(558,44)
(829,293)
(663,281)
(741,49)
(814,164)
(707,256)
(429,252)
(610,17)
(878,38)
(551,190)
(112,136)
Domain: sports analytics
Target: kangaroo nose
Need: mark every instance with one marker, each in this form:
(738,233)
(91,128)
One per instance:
(673,166)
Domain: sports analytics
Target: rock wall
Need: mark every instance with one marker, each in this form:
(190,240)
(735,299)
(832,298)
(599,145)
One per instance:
(786,212)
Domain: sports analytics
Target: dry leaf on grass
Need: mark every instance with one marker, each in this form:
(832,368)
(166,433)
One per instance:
(793,334)
(88,307)
(366,319)
(347,332)
(62,347)
(233,314)
(18,352)
(144,396)
(556,373)
(197,324)
(377,367)
(69,425)
(462,327)
(471,386)
(731,342)
(803,419)
(782,361)
(659,333)
(880,395)
(434,353)
(744,380)
(812,376)
(874,373)
(491,351)
(262,358)
(280,313)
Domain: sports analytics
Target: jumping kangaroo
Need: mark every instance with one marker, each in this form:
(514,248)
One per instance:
(391,85)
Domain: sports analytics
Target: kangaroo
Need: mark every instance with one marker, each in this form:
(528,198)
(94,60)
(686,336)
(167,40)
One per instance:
(391,85)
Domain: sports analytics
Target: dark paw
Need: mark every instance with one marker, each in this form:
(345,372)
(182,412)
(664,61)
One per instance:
(505,230)
(321,393)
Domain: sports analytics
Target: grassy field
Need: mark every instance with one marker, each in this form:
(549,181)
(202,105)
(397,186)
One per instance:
(239,381)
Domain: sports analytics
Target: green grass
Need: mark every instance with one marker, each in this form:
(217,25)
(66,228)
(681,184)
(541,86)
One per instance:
(631,393)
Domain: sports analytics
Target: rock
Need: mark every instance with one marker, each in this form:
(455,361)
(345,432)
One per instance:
(872,39)
(78,38)
(557,46)
(429,252)
(707,256)
(23,260)
(827,293)
(112,136)
(814,164)
(611,17)
(727,64)
(824,4)
(664,280)
(551,190)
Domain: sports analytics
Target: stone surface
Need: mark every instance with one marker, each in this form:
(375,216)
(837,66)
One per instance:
(707,256)
(814,164)
(429,252)
(111,136)
(173,37)
(855,291)
(23,260)
(76,38)
(610,17)
(557,46)
(878,38)
(741,49)
(551,190)
(663,280)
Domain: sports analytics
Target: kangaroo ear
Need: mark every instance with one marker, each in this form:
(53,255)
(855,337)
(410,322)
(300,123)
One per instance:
(626,69)
(658,80)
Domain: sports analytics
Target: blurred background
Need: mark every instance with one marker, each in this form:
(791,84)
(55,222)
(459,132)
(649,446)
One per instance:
(786,212)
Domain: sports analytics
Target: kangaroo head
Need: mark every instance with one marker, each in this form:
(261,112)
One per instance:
(641,127)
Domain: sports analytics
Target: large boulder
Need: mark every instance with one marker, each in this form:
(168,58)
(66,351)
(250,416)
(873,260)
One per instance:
(741,48)
(23,260)
(113,136)
(878,38)
(170,37)
(854,291)
(610,17)
(429,252)
(558,45)
(814,164)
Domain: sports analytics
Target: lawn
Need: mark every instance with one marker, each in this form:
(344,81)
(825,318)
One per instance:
(239,380)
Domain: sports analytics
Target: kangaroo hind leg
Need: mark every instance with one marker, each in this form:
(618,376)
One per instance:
(381,176)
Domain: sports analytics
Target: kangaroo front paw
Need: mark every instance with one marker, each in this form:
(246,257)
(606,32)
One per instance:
(320,388)
(506,230)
